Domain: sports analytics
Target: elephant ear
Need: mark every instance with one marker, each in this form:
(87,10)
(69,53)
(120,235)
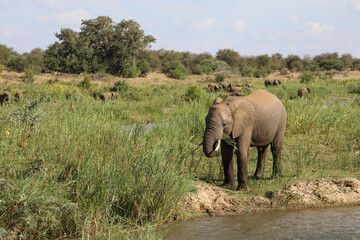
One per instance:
(243,117)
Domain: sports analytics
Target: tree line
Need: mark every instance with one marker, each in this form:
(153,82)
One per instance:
(105,47)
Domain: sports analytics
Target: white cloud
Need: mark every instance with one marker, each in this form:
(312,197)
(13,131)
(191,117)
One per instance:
(203,24)
(355,5)
(10,32)
(239,25)
(42,19)
(318,31)
(73,17)
(292,17)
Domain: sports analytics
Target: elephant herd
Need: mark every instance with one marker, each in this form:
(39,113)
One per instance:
(256,120)
(237,90)
(6,97)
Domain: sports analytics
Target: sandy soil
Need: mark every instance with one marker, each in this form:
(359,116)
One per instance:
(216,201)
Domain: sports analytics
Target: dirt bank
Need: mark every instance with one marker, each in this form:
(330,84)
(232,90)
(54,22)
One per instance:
(301,194)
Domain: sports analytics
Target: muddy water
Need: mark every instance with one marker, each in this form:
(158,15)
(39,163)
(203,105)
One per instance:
(330,223)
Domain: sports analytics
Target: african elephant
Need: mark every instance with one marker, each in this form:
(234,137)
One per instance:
(303,92)
(257,120)
(5,97)
(272,82)
(18,96)
(109,95)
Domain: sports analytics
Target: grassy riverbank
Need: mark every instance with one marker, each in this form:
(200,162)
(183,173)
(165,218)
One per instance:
(74,166)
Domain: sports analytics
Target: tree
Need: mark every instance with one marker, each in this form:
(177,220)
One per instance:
(101,45)
(5,53)
(294,63)
(128,43)
(231,57)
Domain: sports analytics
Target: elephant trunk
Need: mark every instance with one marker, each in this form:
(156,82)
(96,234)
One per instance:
(211,141)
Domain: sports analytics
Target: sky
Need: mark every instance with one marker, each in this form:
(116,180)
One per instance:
(250,27)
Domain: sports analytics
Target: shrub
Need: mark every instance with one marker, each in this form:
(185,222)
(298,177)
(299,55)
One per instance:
(220,77)
(307,77)
(131,72)
(120,86)
(202,69)
(193,93)
(85,83)
(178,71)
(354,87)
(329,64)
(248,72)
(16,63)
(143,68)
(29,75)
(261,72)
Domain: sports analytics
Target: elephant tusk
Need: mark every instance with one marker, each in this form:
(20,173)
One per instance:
(217,145)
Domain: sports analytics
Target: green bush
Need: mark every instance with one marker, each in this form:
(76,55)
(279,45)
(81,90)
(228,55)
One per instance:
(131,72)
(220,77)
(307,77)
(16,63)
(330,64)
(202,69)
(248,72)
(143,68)
(178,71)
(120,86)
(193,93)
(354,87)
(29,75)
(261,72)
(85,83)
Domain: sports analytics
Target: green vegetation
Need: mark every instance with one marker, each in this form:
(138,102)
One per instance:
(85,168)
(74,166)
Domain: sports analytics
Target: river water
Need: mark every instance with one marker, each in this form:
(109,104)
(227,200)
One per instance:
(327,223)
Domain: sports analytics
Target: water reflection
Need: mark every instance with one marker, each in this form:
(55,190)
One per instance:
(330,223)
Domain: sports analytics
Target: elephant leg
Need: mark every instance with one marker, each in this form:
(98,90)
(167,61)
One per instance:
(227,154)
(242,162)
(276,146)
(261,162)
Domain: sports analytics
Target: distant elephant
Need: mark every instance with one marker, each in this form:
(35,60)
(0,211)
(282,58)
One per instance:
(272,82)
(5,97)
(243,85)
(18,96)
(227,94)
(257,120)
(303,92)
(224,85)
(109,95)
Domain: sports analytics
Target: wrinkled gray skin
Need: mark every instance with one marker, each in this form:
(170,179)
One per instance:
(18,96)
(109,95)
(303,92)
(5,97)
(257,120)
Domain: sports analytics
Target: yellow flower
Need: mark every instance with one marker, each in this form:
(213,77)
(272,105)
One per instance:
(7,132)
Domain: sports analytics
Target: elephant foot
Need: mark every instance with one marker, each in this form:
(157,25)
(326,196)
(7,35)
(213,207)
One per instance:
(227,185)
(242,188)
(257,176)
